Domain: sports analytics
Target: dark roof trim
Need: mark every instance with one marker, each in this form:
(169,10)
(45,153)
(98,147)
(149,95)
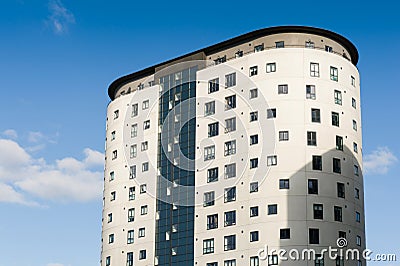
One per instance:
(114,86)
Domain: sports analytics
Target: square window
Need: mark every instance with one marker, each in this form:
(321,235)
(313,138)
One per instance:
(272,160)
(313,235)
(208,246)
(338,97)
(212,175)
(253,71)
(311,138)
(230,102)
(283,135)
(337,166)
(230,242)
(230,170)
(230,262)
(335,119)
(310,92)
(209,108)
(253,116)
(253,163)
(145,105)
(254,237)
(253,187)
(253,139)
(230,148)
(309,44)
(213,85)
(237,55)
(253,93)
(273,260)
(230,80)
(209,199)
(254,211)
(312,186)
(230,194)
(212,221)
(259,48)
(342,234)
(334,74)
(213,129)
(271,113)
(285,233)
(142,254)
(317,162)
(339,143)
(272,209)
(283,89)
(328,48)
(209,153)
(314,69)
(230,124)
(318,211)
(271,67)
(280,44)
(338,214)
(230,218)
(146,124)
(283,183)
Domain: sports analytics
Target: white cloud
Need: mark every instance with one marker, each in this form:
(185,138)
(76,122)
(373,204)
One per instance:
(60,17)
(379,161)
(24,177)
(35,136)
(10,133)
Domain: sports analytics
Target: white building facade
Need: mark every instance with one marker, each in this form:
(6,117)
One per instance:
(221,156)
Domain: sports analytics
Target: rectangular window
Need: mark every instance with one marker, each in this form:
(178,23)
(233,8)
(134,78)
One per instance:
(317,162)
(114,155)
(230,262)
(112,176)
(272,209)
(212,221)
(142,232)
(318,211)
(314,69)
(342,234)
(271,113)
(131,215)
(253,163)
(336,166)
(313,235)
(358,241)
(213,85)
(237,55)
(273,260)
(358,217)
(230,170)
(230,124)
(309,44)
(209,153)
(284,233)
(145,146)
(253,71)
(143,188)
(283,135)
(208,246)
(272,160)
(315,116)
(132,172)
(109,220)
(310,92)
(334,73)
(108,261)
(313,186)
(230,148)
(328,48)
(230,242)
(209,199)
(335,119)
(220,60)
(356,193)
(355,125)
(319,260)
(145,105)
(354,103)
(213,129)
(271,67)
(230,218)
(253,238)
(116,114)
(130,237)
(253,187)
(283,89)
(353,81)
(230,102)
(339,261)
(337,211)
(338,97)
(230,80)
(253,93)
(280,44)
(230,194)
(134,130)
(133,151)
(254,211)
(112,135)
(209,108)
(145,167)
(129,259)
(259,48)
(142,254)
(146,124)
(356,171)
(341,190)
(253,139)
(253,116)
(339,143)
(113,195)
(132,193)
(311,138)
(283,183)
(143,210)
(212,175)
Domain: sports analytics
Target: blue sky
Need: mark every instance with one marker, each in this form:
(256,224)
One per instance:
(57,59)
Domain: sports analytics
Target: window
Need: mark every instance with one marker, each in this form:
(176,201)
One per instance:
(272,160)
(230,102)
(129,259)
(310,92)
(337,213)
(271,67)
(212,264)
(132,193)
(318,211)
(142,254)
(145,145)
(280,44)
(254,211)
(339,143)
(273,260)
(314,69)
(212,221)
(237,55)
(209,153)
(112,176)
(328,48)
(116,114)
(272,209)
(134,130)
(143,188)
(338,97)
(254,261)
(230,80)
(358,241)
(283,89)
(230,147)
(109,220)
(230,194)
(209,108)
(356,193)
(133,151)
(319,260)
(220,60)
(145,167)
(253,163)
(253,187)
(271,113)
(253,116)
(230,218)
(259,48)
(317,162)
(283,183)
(311,138)
(213,85)
(230,124)
(284,233)
(356,171)
(355,125)
(112,135)
(130,237)
(213,129)
(146,124)
(335,119)
(253,71)
(110,238)
(253,236)
(208,246)
(253,93)
(108,261)
(132,171)
(354,103)
(229,242)
(315,116)
(212,175)
(310,44)
(342,234)
(339,261)
(313,235)
(114,155)
(253,139)
(145,105)
(113,195)
(209,199)
(143,210)
(353,81)
(334,73)
(341,190)
(312,186)
(230,262)
(230,170)
(283,135)
(337,166)
(358,217)
(131,214)
(142,232)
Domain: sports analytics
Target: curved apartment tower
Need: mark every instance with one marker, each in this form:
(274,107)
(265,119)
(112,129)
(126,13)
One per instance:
(224,155)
